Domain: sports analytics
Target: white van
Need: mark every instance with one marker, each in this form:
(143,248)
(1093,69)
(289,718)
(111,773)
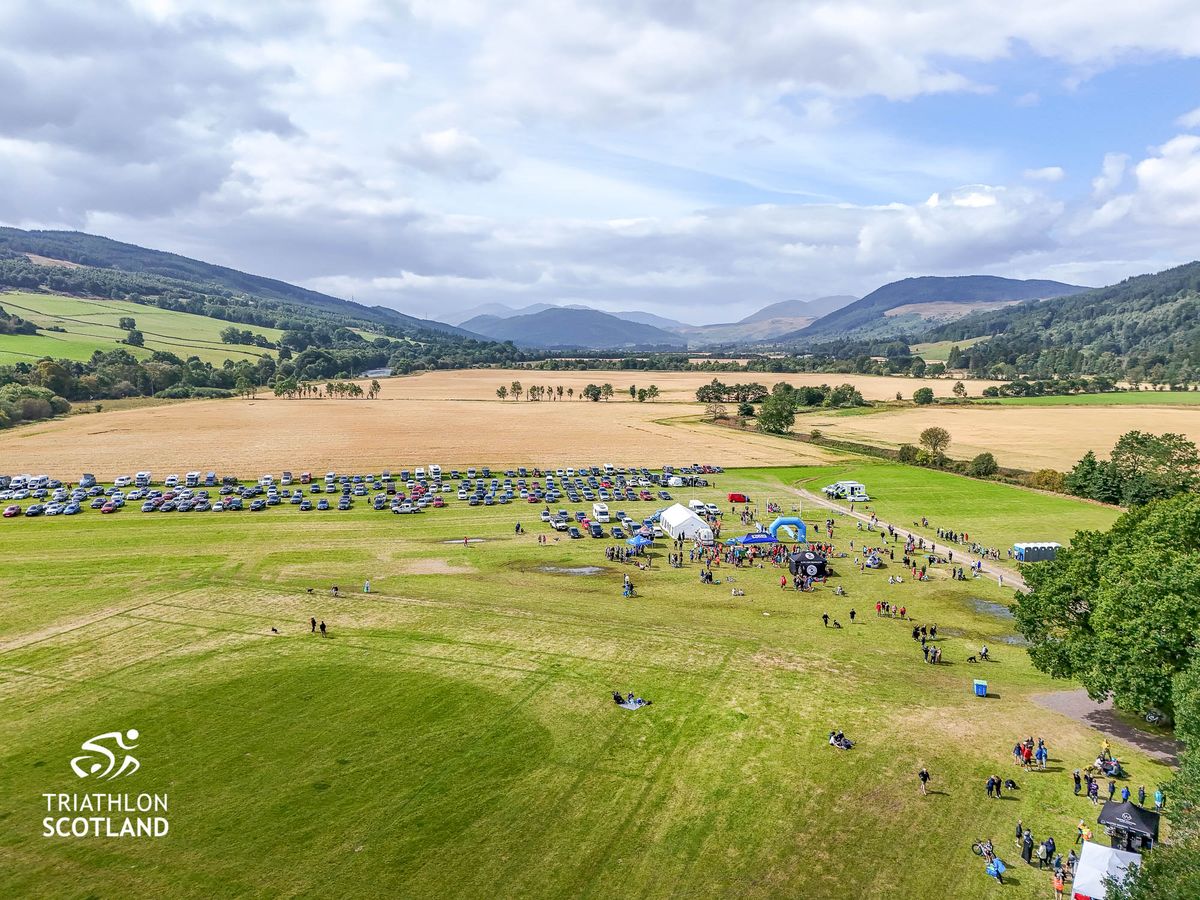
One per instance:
(854,491)
(420,473)
(609,468)
(699,507)
(600,512)
(142,479)
(435,472)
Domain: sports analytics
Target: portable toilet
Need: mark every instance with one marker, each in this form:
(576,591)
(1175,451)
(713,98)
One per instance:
(980,688)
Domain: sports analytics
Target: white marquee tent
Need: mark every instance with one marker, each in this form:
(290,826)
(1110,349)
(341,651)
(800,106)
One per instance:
(680,522)
(1097,862)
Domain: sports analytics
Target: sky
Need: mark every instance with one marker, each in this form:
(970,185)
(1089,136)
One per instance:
(697,160)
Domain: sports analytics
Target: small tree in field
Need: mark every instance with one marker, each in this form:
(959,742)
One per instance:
(960,390)
(516,390)
(633,392)
(606,391)
(570,392)
(716,411)
(502,392)
(935,440)
(558,392)
(652,392)
(923,396)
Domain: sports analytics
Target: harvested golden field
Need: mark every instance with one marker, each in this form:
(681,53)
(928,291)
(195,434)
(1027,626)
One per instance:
(249,437)
(1026,437)
(481,384)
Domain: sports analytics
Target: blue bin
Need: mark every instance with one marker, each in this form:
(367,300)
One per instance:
(980,688)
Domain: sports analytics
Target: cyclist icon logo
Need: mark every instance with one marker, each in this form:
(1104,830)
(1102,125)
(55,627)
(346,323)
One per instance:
(97,756)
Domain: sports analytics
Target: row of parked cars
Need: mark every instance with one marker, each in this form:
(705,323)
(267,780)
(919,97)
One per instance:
(401,493)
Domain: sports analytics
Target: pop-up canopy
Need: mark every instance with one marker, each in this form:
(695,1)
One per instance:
(1096,863)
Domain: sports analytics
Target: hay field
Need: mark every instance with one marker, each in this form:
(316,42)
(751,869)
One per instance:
(481,384)
(269,434)
(1030,437)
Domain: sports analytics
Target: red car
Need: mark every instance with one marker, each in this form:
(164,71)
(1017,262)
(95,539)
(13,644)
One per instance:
(108,508)
(646,495)
(438,502)
(11,511)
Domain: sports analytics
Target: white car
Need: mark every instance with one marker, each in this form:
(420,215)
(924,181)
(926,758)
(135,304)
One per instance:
(122,481)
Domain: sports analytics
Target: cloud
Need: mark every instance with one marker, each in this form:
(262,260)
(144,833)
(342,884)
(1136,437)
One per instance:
(449,154)
(1190,119)
(1112,172)
(1046,173)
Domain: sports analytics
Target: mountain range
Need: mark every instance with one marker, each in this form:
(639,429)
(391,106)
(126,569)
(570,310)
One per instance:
(913,303)
(567,327)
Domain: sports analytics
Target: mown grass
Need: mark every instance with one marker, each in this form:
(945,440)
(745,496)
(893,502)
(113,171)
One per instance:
(1115,398)
(939,351)
(454,736)
(92,325)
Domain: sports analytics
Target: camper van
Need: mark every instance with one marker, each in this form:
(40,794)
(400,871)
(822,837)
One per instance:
(854,491)
(435,472)
(600,512)
(191,479)
(142,479)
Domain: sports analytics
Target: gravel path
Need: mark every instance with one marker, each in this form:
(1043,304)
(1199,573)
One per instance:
(1011,579)
(1101,716)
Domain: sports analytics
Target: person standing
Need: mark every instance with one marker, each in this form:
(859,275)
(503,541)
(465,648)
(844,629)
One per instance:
(852,615)
(923,777)
(323,634)
(1079,831)
(1125,793)
(991,786)
(1141,795)
(999,785)
(1027,847)
(1078,781)
(1058,885)
(825,619)
(1159,799)
(1112,788)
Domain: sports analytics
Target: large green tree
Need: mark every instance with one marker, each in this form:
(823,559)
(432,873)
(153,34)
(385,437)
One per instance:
(1120,610)
(777,414)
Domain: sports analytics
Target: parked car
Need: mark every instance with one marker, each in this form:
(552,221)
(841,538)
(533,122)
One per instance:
(574,532)
(618,532)
(11,511)
(109,508)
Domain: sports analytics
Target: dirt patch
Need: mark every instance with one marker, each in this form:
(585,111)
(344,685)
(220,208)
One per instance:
(433,567)
(1101,716)
(571,570)
(465,541)
(48,261)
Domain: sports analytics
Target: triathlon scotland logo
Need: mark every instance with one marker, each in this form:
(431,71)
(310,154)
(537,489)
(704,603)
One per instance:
(101,815)
(97,756)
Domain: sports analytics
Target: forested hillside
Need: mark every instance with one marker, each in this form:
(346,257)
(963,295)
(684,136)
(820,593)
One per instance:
(1145,329)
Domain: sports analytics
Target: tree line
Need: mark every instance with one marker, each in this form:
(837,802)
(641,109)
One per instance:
(1141,467)
(594,392)
(1119,611)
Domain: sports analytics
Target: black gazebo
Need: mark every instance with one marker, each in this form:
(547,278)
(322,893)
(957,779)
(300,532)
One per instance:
(1131,827)
(808,563)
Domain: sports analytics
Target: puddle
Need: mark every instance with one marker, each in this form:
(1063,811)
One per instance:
(571,570)
(999,610)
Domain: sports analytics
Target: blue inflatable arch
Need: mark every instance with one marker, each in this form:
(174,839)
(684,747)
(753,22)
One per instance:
(795,525)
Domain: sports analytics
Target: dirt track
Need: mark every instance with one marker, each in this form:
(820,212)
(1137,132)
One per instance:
(990,567)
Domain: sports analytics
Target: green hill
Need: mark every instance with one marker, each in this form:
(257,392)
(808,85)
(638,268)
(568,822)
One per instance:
(907,305)
(89,325)
(99,266)
(1145,328)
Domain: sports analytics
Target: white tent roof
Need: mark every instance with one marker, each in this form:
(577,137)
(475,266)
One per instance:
(1098,862)
(680,522)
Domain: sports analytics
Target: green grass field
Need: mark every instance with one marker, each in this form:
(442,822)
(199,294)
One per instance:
(1116,398)
(939,351)
(92,325)
(454,736)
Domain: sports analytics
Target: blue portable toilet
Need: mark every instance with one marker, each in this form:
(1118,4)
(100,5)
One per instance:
(980,688)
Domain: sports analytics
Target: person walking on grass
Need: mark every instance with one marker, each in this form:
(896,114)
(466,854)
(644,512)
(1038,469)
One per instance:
(1079,831)
(825,619)
(1141,795)
(323,634)
(1078,781)
(1112,788)
(852,615)
(313,623)
(1058,885)
(999,785)
(1125,794)
(923,777)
